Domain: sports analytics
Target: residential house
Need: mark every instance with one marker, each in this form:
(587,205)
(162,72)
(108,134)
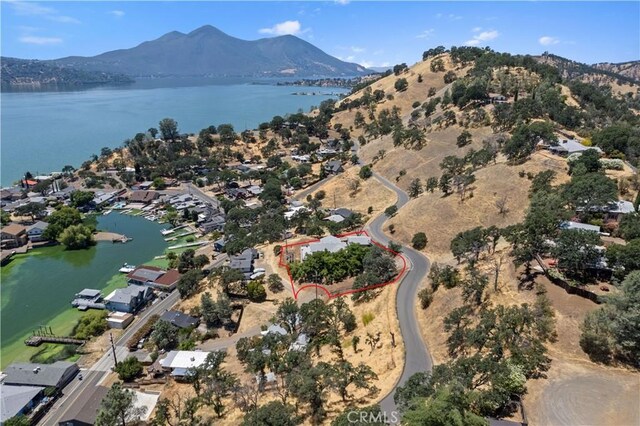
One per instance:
(179,319)
(274,329)
(301,158)
(566,147)
(214,223)
(13,236)
(336,218)
(11,194)
(615,211)
(35,231)
(580,226)
(85,409)
(179,362)
(243,262)
(128,299)
(345,213)
(144,186)
(254,190)
(236,193)
(55,375)
(218,245)
(301,343)
(329,243)
(143,197)
(154,277)
(333,167)
(18,400)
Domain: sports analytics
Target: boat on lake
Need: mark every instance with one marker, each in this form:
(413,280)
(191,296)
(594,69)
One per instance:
(126,268)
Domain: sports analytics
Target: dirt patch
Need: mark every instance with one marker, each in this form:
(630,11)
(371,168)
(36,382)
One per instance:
(94,349)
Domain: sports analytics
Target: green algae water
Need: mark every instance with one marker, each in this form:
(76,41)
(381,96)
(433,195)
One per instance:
(37,287)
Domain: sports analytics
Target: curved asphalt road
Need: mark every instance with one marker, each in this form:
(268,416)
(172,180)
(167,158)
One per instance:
(417,357)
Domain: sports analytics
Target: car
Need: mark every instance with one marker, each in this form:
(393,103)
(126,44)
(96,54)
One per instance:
(256,270)
(80,376)
(256,275)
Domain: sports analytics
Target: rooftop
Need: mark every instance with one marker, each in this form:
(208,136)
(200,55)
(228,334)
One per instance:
(14,399)
(146,273)
(184,359)
(179,319)
(124,295)
(38,374)
(85,409)
(581,226)
(13,229)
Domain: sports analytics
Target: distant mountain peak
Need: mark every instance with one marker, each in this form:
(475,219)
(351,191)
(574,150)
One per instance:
(206,30)
(208,51)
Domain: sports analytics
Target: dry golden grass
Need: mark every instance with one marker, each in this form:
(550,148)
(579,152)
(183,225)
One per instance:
(441,218)
(370,193)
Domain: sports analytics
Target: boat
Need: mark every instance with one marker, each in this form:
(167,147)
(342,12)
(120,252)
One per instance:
(166,231)
(126,268)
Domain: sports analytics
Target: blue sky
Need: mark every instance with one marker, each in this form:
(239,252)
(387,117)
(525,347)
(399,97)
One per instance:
(369,33)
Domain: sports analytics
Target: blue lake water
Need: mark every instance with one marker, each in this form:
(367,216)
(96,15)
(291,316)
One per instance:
(44,131)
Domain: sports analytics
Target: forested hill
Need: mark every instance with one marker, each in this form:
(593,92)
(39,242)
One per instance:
(24,73)
(208,51)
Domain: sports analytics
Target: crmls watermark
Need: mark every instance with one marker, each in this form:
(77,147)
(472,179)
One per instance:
(363,417)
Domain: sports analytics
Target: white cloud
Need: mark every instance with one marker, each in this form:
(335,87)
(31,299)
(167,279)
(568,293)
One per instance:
(426,33)
(482,37)
(283,28)
(476,29)
(117,13)
(23,8)
(356,49)
(342,2)
(41,41)
(548,40)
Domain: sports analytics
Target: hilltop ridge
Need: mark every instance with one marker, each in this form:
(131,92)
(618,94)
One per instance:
(208,51)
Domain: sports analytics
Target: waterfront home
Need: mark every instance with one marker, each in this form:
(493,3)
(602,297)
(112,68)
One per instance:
(18,400)
(35,231)
(179,362)
(55,375)
(128,299)
(13,236)
(179,319)
(85,408)
(143,197)
(154,277)
(214,223)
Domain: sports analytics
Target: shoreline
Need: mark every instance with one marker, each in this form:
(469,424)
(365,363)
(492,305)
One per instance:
(65,320)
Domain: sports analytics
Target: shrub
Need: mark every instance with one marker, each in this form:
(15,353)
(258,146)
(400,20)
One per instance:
(277,249)
(426,297)
(190,239)
(275,283)
(256,291)
(93,323)
(416,104)
(419,241)
(367,317)
(129,369)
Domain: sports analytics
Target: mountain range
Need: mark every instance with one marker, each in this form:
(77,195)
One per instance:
(207,51)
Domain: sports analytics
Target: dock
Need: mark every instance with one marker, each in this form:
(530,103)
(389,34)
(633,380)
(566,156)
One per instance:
(38,340)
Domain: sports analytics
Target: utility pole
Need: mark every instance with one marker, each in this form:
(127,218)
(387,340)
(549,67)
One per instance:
(113,348)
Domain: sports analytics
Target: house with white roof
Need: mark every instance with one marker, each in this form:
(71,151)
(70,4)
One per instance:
(330,243)
(179,362)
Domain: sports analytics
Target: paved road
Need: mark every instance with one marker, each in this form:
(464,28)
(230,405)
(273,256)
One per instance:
(96,374)
(417,357)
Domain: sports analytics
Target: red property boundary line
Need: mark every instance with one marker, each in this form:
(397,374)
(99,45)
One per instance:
(285,264)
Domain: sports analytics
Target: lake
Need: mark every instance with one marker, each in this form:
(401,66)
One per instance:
(44,131)
(38,287)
